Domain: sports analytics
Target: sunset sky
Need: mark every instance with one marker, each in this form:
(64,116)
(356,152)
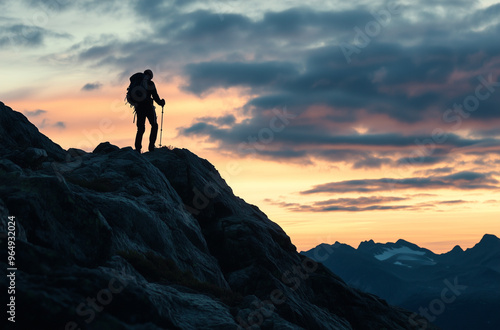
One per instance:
(341,120)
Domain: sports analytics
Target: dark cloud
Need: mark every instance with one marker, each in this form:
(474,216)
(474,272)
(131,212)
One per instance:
(434,171)
(48,8)
(493,132)
(409,85)
(421,195)
(486,17)
(458,201)
(371,162)
(91,86)
(226,120)
(35,113)
(368,203)
(156,10)
(360,201)
(22,35)
(462,180)
(206,76)
(400,93)
(294,131)
(481,161)
(297,21)
(402,85)
(360,204)
(357,208)
(205,26)
(60,124)
(46,123)
(196,36)
(280,134)
(423,160)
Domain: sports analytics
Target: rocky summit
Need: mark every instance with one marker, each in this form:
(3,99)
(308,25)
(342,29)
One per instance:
(114,239)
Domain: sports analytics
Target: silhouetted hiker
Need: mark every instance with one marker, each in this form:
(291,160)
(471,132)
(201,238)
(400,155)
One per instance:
(140,94)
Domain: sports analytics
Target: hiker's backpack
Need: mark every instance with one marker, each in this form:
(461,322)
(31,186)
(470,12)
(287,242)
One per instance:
(137,90)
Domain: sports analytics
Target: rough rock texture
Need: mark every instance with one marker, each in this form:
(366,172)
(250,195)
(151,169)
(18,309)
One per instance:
(117,240)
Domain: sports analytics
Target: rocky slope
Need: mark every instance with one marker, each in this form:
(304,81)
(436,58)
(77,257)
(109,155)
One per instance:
(117,240)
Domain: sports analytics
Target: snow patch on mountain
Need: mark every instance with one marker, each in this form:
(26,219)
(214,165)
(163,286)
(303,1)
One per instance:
(388,253)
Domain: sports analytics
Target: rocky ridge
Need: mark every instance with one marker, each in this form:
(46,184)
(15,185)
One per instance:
(117,240)
(415,278)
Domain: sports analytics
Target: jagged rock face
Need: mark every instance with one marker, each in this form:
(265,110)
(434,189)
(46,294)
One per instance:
(115,239)
(18,135)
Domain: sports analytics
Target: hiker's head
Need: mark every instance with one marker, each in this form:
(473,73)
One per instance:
(149,73)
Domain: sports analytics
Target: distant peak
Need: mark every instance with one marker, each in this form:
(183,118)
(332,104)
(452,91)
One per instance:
(456,250)
(366,243)
(489,239)
(337,244)
(407,244)
(488,242)
(326,246)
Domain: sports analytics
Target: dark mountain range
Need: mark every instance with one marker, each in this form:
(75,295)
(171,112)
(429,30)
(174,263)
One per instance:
(455,290)
(118,240)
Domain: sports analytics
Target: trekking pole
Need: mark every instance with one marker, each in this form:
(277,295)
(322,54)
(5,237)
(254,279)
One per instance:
(161,130)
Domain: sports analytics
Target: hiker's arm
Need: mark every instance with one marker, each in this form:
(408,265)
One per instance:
(154,93)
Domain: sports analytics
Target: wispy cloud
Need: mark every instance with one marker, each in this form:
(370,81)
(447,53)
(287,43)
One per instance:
(27,35)
(35,113)
(91,86)
(463,181)
(46,123)
(433,171)
(362,204)
(41,119)
(60,124)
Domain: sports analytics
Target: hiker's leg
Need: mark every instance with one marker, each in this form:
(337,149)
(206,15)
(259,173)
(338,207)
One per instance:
(154,128)
(141,128)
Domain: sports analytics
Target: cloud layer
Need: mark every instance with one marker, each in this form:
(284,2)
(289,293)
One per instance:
(462,180)
(91,86)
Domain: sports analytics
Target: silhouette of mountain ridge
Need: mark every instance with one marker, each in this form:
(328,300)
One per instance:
(412,277)
(117,239)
